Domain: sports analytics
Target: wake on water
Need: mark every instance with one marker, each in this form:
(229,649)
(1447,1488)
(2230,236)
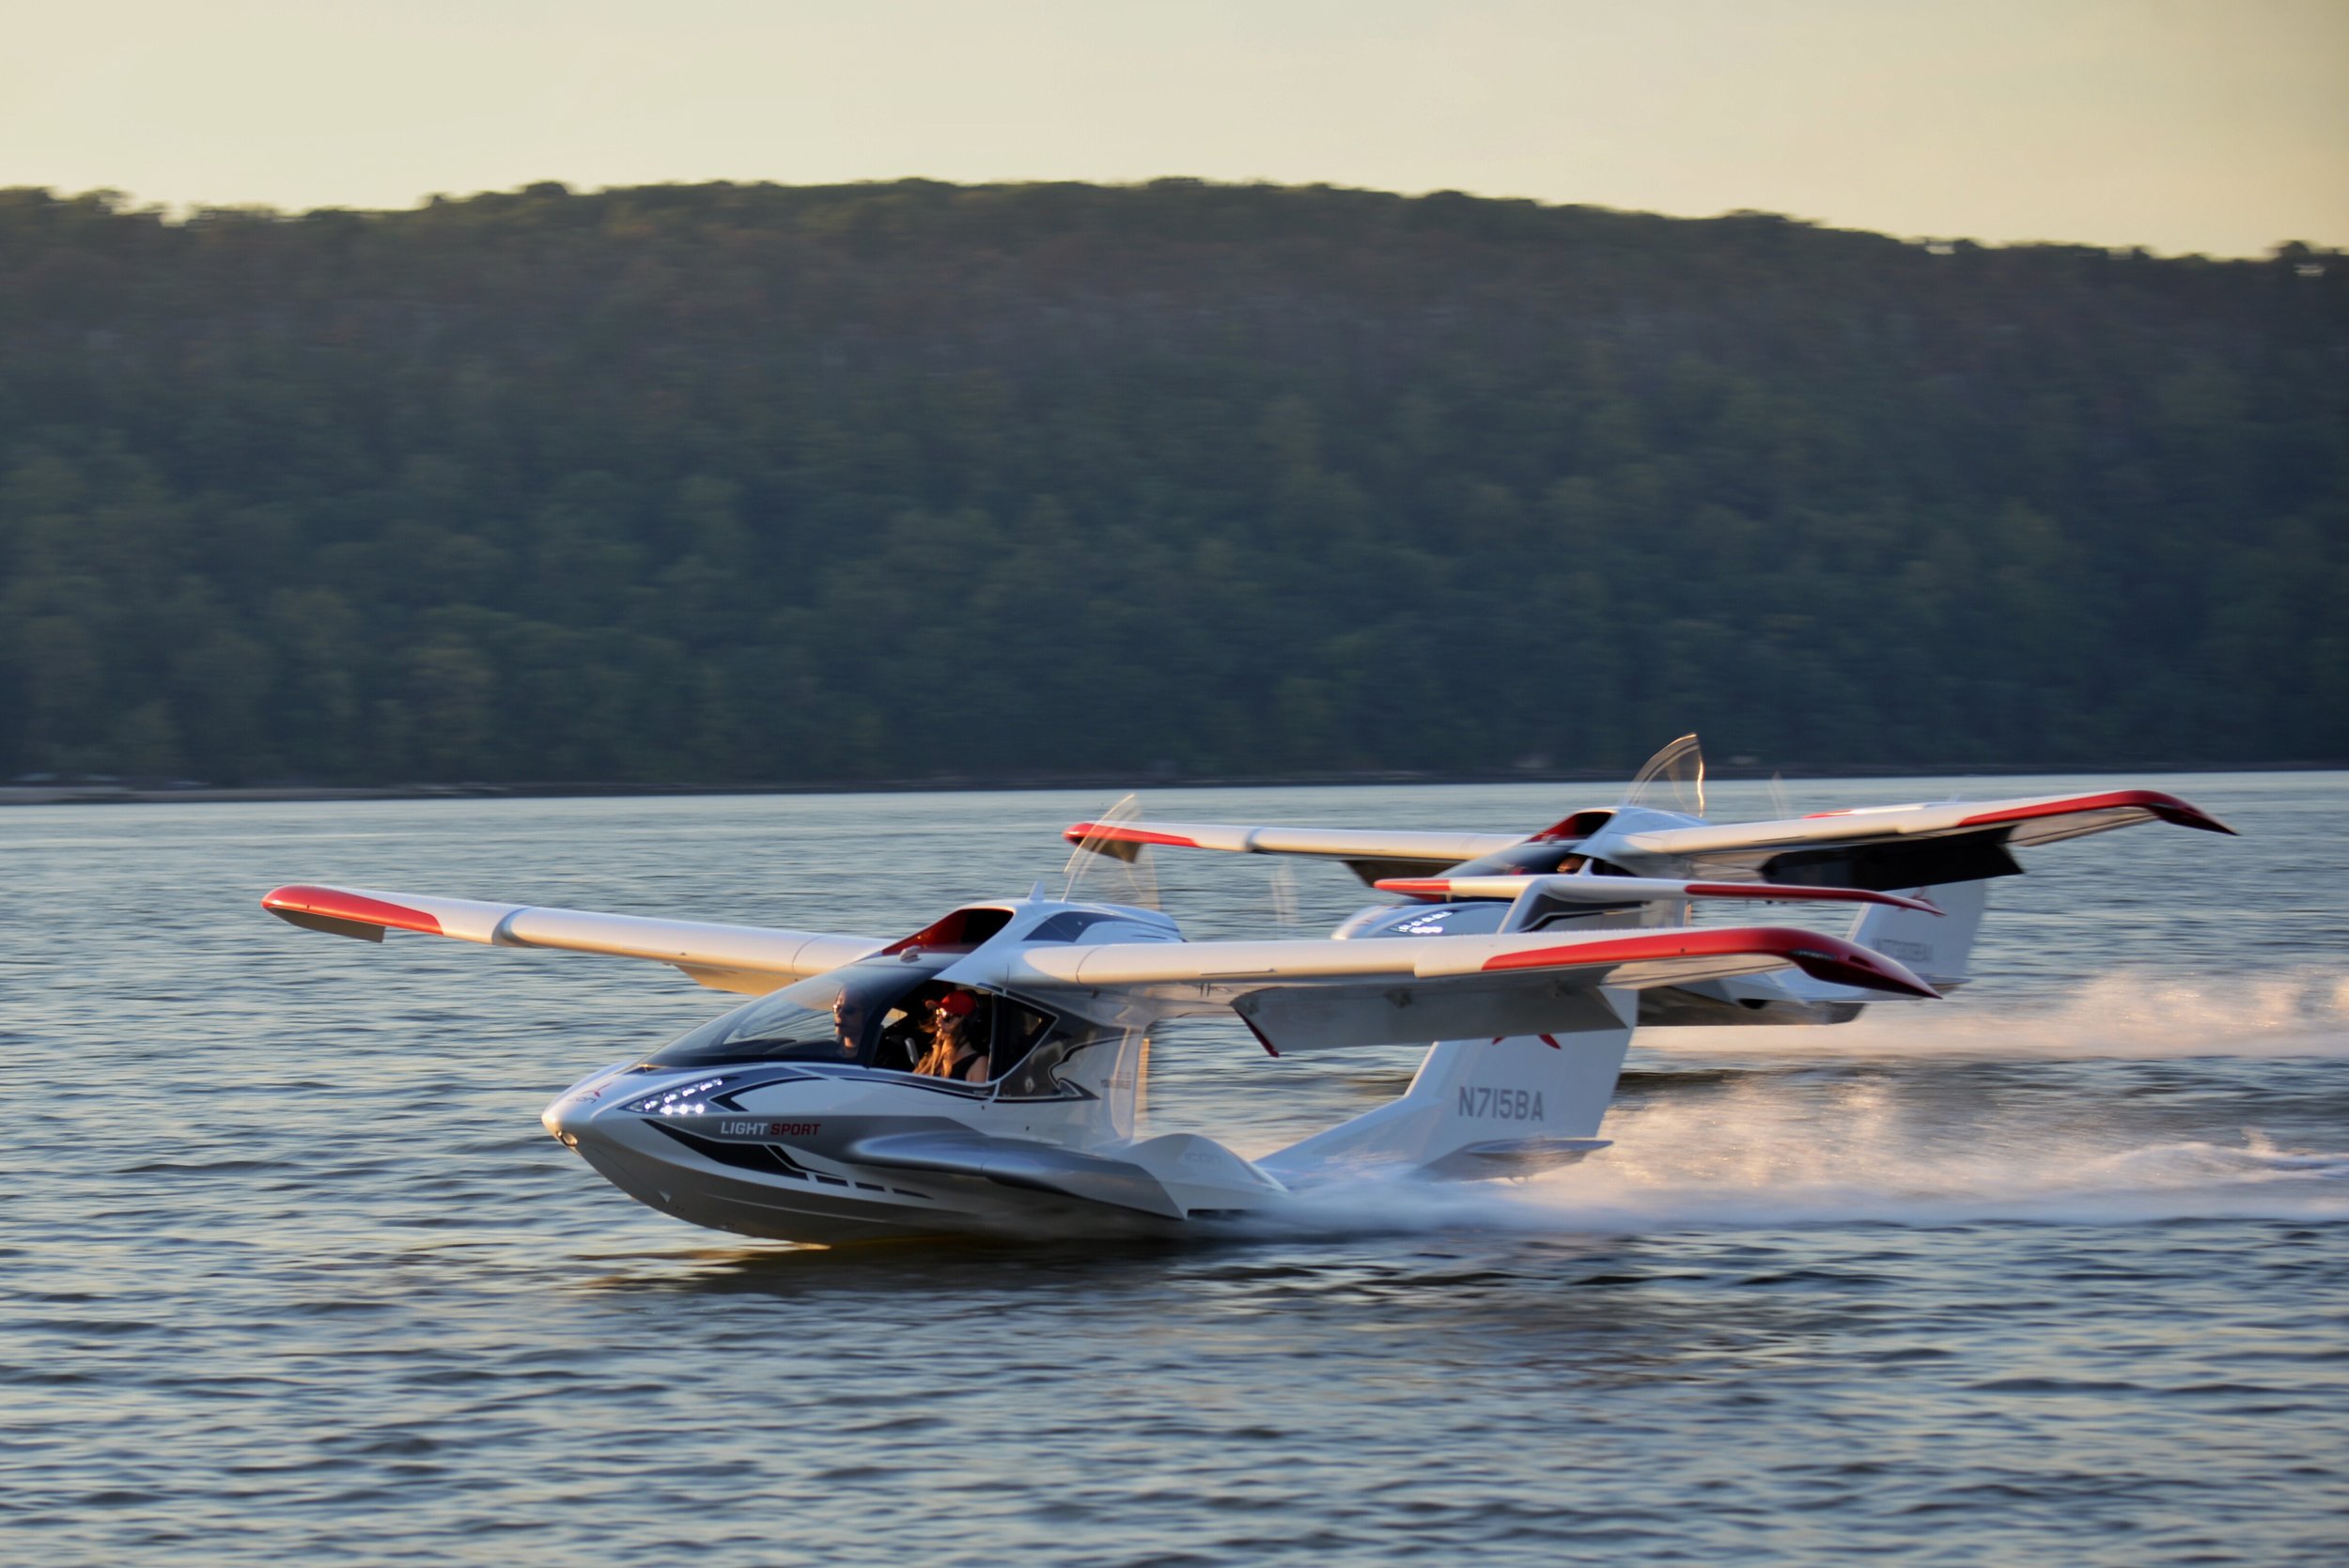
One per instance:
(2129,1014)
(1653,1181)
(1779,1147)
(1639,1186)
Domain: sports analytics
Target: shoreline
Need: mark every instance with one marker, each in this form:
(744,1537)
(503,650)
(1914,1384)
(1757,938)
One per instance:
(65,794)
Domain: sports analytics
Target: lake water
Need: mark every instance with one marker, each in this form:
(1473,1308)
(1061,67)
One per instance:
(2054,1271)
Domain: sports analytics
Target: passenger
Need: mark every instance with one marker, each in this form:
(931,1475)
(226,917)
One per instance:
(971,1055)
(932,1047)
(953,1051)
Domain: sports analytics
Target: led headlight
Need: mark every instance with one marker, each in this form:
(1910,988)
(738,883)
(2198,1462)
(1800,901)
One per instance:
(685,1099)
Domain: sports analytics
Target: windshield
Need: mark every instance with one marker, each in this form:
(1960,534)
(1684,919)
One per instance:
(831,1018)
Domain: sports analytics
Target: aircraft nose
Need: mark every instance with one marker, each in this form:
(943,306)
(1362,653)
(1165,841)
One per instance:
(569,1116)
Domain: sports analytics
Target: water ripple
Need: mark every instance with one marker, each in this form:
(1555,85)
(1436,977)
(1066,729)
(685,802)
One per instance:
(2053,1273)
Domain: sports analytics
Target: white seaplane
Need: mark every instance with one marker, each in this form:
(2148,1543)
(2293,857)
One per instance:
(984,1074)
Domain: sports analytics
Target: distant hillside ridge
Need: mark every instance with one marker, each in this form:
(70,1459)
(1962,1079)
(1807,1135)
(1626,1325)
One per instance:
(748,483)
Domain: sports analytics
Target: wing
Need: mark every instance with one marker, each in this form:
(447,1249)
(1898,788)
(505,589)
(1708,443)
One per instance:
(1322,995)
(1586,888)
(752,959)
(1901,847)
(1372,852)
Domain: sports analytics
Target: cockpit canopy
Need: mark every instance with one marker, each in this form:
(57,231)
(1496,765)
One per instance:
(869,1014)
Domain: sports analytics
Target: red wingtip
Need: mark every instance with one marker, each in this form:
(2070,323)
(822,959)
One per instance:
(2166,808)
(1842,963)
(1112,832)
(336,904)
(2186,814)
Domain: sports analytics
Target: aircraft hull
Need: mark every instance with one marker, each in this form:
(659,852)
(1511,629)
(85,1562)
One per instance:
(829,1161)
(749,1206)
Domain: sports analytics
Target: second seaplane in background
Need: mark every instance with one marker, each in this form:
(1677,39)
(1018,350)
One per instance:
(1614,867)
(984,1074)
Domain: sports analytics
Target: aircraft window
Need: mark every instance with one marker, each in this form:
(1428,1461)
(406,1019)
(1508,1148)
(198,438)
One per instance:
(1017,1028)
(831,1018)
(1069,925)
(1004,1029)
(1032,1076)
(1530,859)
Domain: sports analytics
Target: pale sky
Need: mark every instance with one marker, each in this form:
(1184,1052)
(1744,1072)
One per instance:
(2180,125)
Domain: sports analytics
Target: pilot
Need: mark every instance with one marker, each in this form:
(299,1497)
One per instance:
(953,1051)
(847,1024)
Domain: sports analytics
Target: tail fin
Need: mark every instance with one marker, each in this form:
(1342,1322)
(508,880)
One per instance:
(1484,1108)
(1937,947)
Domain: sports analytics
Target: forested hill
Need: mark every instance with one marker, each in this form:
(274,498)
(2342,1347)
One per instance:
(747,482)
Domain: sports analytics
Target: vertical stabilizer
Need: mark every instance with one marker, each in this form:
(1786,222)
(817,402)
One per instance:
(1484,1108)
(1937,947)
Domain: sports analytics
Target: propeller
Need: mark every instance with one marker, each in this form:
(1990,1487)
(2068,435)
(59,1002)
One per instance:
(1671,780)
(1105,868)
(1284,894)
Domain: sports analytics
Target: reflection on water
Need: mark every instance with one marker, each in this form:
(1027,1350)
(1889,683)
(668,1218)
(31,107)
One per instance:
(2049,1272)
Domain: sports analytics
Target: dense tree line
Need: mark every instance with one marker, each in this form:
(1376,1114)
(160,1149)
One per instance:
(747,483)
